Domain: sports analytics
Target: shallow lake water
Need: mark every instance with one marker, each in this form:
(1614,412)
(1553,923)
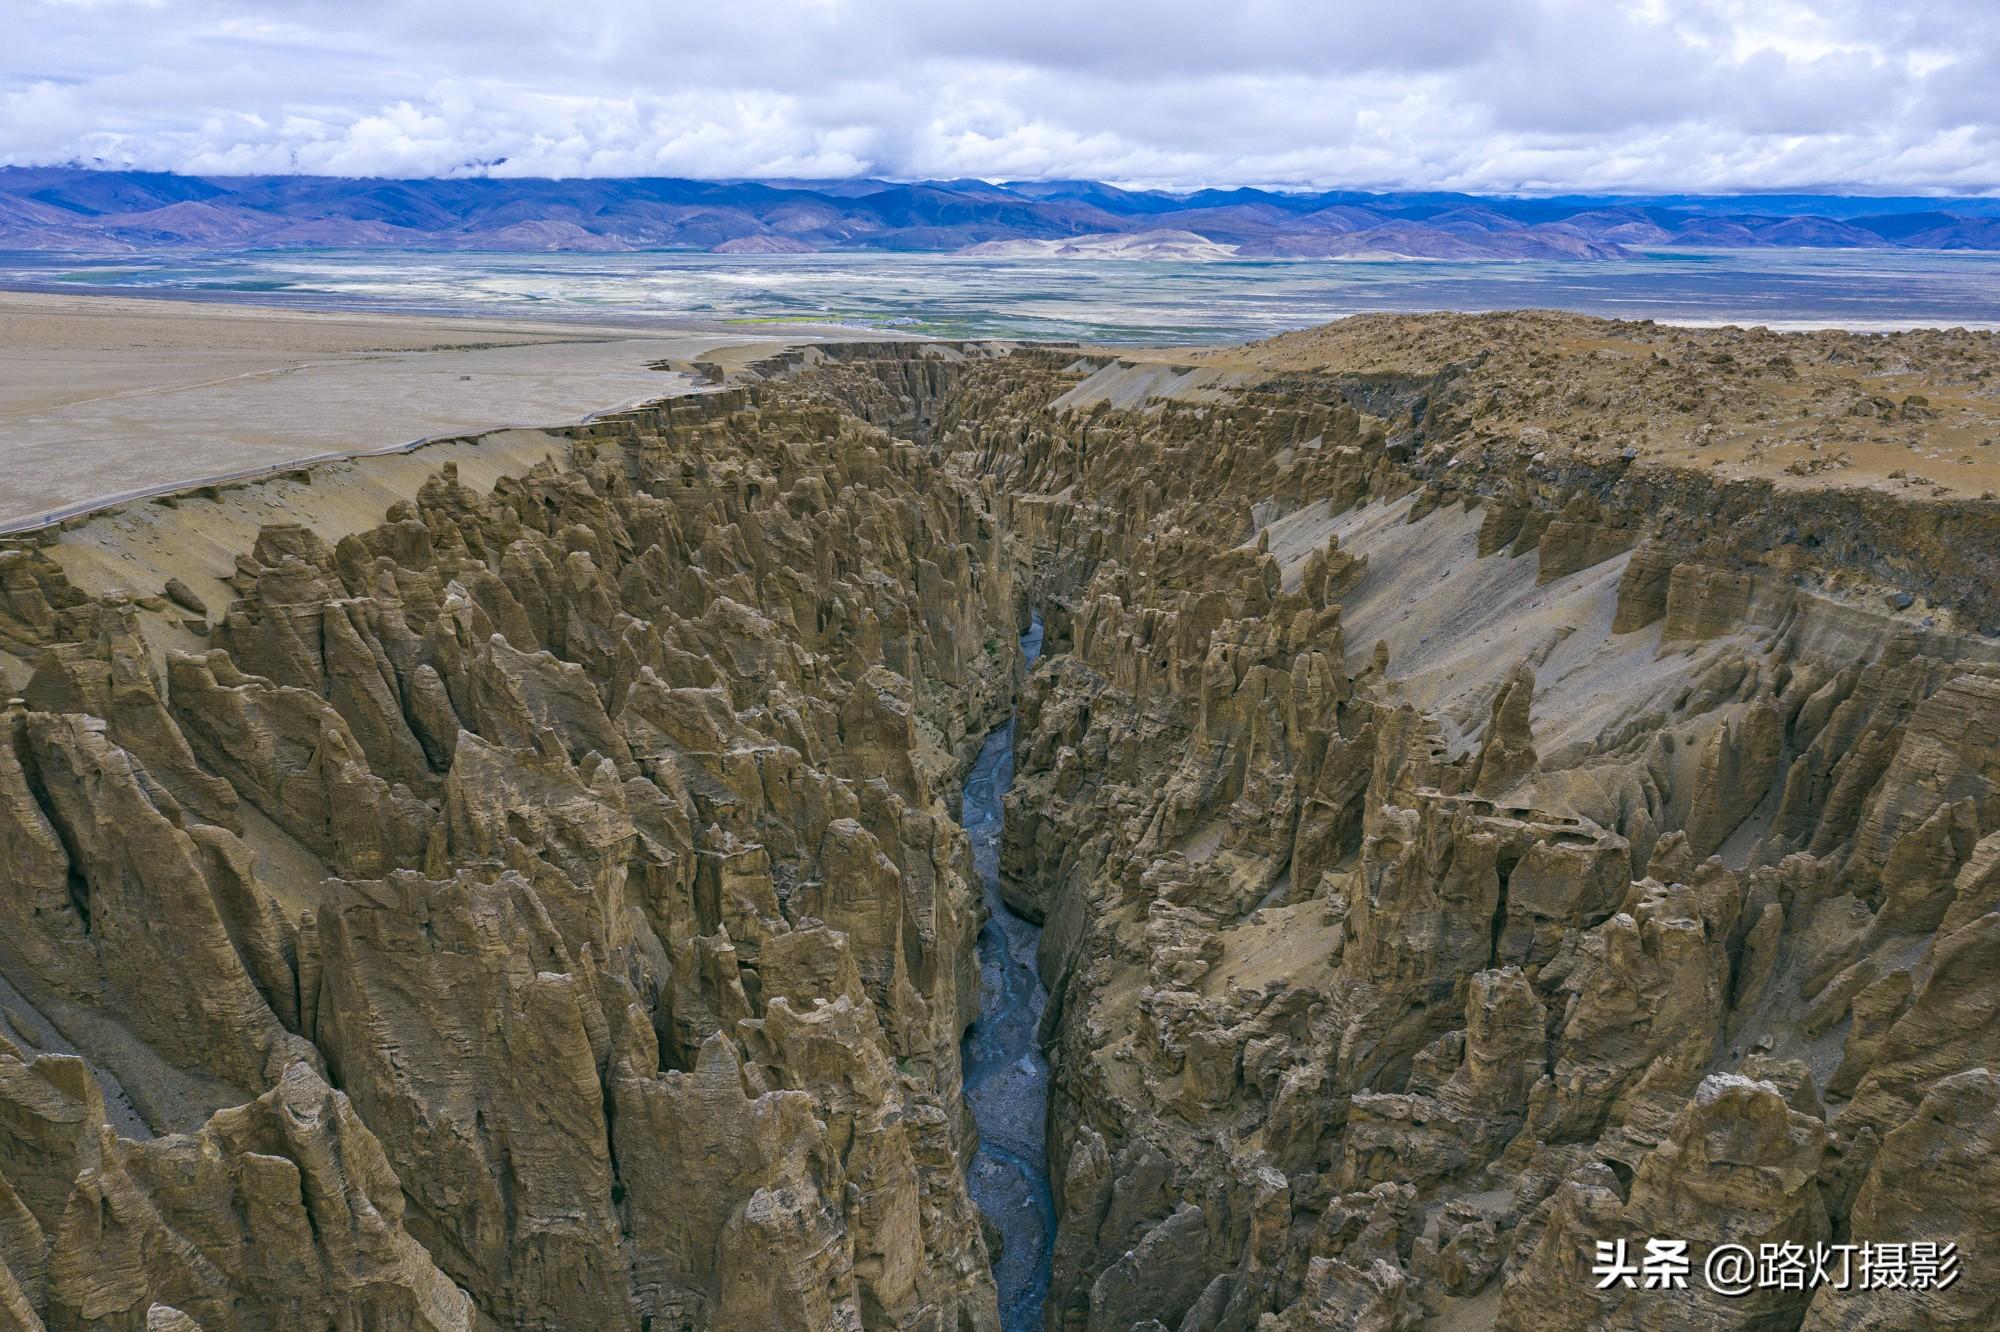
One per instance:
(1134,301)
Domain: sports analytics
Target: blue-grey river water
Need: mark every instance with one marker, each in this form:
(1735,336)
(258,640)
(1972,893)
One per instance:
(1006,1078)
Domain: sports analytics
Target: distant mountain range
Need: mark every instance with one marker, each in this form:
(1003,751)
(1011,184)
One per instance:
(91,211)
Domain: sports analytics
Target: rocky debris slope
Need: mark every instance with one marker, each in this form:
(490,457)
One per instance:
(538,905)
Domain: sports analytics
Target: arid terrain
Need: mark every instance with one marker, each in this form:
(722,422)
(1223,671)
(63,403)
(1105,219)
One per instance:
(101,397)
(1489,787)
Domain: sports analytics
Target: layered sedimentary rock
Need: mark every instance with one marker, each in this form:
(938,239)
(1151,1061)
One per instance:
(535,903)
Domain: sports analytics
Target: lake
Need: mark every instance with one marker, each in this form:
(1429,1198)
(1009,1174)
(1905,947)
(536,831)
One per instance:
(1094,301)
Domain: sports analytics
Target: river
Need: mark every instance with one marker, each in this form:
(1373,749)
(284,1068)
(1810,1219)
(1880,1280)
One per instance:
(1006,1078)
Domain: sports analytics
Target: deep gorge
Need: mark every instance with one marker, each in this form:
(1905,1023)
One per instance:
(538,882)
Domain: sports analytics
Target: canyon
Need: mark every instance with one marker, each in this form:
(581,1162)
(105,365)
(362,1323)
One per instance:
(1394,808)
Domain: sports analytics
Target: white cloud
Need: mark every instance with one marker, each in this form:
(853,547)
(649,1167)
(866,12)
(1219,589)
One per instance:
(1469,94)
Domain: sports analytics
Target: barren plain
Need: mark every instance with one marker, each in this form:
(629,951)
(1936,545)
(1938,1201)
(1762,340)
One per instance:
(101,396)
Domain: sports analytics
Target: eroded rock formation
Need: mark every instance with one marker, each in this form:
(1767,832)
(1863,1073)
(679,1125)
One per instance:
(1450,861)
(587,834)
(538,905)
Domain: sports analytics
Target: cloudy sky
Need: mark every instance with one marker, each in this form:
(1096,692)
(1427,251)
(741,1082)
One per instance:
(1499,95)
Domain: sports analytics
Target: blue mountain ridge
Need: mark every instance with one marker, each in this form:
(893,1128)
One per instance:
(85,210)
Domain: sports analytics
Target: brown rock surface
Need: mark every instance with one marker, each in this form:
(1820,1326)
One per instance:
(1457,844)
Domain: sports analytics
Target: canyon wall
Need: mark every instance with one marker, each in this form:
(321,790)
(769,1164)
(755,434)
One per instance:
(526,894)
(536,908)
(1453,859)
